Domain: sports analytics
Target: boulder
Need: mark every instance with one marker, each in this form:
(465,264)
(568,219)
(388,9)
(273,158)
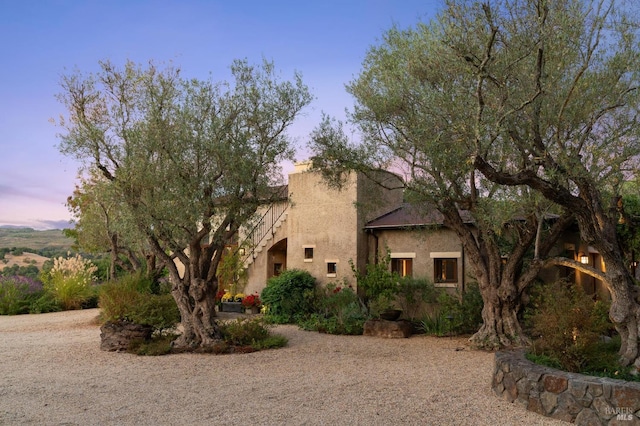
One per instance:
(117,336)
(388,329)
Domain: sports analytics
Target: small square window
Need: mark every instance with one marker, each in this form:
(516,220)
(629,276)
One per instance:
(445,270)
(308,253)
(402,267)
(332,268)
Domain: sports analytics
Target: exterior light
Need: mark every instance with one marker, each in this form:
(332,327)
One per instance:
(584,258)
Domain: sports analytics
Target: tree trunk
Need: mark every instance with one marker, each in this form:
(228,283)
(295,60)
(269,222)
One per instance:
(625,309)
(500,326)
(196,302)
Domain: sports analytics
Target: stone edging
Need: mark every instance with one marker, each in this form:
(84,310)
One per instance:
(571,397)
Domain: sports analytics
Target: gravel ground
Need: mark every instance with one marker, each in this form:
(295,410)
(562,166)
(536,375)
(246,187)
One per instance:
(53,373)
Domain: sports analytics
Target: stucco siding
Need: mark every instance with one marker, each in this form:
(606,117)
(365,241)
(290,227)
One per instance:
(423,246)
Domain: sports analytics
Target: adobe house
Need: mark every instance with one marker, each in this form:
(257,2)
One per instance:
(318,229)
(323,230)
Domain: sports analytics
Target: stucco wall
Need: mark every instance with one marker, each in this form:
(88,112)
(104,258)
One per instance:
(425,244)
(322,219)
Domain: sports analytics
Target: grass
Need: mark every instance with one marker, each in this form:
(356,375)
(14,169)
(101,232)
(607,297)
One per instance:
(31,238)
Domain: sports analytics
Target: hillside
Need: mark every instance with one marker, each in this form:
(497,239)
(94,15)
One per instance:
(24,259)
(33,239)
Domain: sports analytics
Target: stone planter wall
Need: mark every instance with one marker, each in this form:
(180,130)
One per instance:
(118,336)
(571,397)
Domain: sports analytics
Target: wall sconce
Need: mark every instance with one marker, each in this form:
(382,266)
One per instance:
(584,259)
(241,252)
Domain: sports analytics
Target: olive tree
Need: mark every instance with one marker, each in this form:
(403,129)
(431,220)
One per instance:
(403,109)
(191,161)
(552,103)
(103,226)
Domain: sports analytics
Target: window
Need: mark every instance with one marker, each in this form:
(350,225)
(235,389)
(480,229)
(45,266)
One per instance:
(445,270)
(277,269)
(332,268)
(308,254)
(402,266)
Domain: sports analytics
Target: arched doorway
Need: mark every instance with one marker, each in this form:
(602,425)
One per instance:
(277,258)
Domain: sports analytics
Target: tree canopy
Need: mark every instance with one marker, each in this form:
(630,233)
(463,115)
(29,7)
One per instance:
(528,103)
(188,160)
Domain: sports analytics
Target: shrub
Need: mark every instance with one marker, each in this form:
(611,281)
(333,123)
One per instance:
(379,284)
(17,293)
(339,310)
(70,281)
(130,299)
(42,302)
(413,294)
(158,345)
(465,310)
(13,293)
(567,326)
(289,296)
(245,332)
(436,324)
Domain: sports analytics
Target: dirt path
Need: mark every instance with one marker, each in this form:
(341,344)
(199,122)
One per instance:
(53,373)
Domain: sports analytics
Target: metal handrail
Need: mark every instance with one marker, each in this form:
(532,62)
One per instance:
(264,227)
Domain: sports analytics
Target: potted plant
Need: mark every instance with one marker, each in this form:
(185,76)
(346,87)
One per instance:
(251,304)
(380,288)
(231,302)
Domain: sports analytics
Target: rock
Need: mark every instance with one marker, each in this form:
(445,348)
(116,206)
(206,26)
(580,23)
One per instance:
(117,336)
(555,383)
(588,417)
(388,329)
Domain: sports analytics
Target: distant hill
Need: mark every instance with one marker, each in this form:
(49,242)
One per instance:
(33,239)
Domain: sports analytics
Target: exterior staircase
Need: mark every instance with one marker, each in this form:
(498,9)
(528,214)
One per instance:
(261,235)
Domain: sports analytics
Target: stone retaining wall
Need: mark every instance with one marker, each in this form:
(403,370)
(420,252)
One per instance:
(571,397)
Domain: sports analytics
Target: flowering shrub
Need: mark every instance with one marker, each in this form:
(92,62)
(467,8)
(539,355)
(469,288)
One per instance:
(70,281)
(219,296)
(251,300)
(228,297)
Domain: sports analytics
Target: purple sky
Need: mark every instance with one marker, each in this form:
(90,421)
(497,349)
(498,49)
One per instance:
(43,39)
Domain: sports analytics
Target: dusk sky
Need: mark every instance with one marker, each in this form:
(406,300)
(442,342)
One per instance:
(43,39)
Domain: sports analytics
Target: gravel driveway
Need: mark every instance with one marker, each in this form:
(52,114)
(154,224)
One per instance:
(54,373)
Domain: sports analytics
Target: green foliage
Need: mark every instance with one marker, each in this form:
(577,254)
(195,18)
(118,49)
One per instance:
(272,341)
(379,284)
(130,298)
(454,314)
(436,324)
(13,295)
(413,294)
(231,272)
(21,295)
(158,345)
(30,271)
(465,309)
(567,326)
(43,302)
(244,332)
(288,296)
(339,310)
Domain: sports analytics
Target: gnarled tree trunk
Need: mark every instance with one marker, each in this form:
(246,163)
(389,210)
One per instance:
(196,302)
(500,325)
